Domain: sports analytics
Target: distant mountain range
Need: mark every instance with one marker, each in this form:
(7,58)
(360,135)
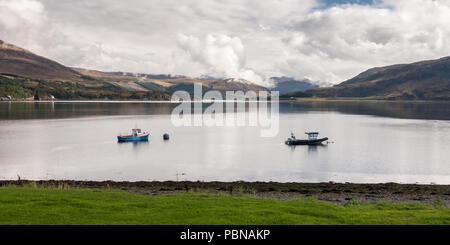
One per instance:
(424,80)
(288,84)
(168,83)
(24,75)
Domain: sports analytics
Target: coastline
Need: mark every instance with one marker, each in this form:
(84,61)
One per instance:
(315,99)
(336,193)
(350,99)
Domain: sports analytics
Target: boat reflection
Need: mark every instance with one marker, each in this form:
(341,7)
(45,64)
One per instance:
(310,148)
(314,148)
(136,144)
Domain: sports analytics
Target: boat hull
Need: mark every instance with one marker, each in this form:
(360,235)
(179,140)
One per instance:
(305,142)
(132,138)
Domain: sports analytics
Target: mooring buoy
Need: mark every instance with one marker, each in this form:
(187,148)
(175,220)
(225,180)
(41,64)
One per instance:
(165,136)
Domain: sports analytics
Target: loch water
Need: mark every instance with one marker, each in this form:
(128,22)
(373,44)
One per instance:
(370,142)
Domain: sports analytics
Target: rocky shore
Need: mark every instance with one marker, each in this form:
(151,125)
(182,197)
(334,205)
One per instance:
(338,193)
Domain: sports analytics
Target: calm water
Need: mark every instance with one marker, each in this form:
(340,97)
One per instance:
(373,142)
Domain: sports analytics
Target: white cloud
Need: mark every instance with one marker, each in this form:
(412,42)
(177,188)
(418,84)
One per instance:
(220,55)
(25,23)
(340,42)
(250,39)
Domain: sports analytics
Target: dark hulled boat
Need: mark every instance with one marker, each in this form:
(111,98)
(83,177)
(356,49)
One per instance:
(312,139)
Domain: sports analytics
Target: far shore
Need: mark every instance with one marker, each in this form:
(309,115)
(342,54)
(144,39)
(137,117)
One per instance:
(337,193)
(313,99)
(169,101)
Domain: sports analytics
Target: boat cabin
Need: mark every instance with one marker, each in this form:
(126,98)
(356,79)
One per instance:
(312,135)
(135,131)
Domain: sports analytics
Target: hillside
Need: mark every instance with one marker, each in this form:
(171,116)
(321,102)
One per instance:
(424,80)
(170,83)
(22,88)
(18,61)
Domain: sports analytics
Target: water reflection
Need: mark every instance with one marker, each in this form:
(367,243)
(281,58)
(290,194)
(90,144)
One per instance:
(49,110)
(55,109)
(136,144)
(313,148)
(398,109)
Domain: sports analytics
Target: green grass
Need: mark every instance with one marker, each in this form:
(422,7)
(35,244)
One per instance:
(31,205)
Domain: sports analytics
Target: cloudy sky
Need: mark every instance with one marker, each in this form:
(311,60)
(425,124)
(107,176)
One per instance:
(322,40)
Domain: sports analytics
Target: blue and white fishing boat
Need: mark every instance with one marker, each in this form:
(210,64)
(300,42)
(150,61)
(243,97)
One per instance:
(136,135)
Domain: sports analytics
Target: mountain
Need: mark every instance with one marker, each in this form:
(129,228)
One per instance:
(25,75)
(170,83)
(424,80)
(18,61)
(235,84)
(288,84)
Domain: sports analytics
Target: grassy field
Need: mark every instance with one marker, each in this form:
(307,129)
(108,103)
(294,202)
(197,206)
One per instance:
(30,205)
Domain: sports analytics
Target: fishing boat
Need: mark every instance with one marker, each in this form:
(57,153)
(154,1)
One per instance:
(312,139)
(136,135)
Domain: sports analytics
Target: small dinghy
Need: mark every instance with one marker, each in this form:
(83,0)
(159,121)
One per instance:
(312,139)
(136,135)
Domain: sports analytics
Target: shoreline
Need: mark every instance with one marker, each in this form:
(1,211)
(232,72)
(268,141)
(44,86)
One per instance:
(337,193)
(343,99)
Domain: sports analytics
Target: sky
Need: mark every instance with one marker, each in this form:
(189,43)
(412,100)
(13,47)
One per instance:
(324,41)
